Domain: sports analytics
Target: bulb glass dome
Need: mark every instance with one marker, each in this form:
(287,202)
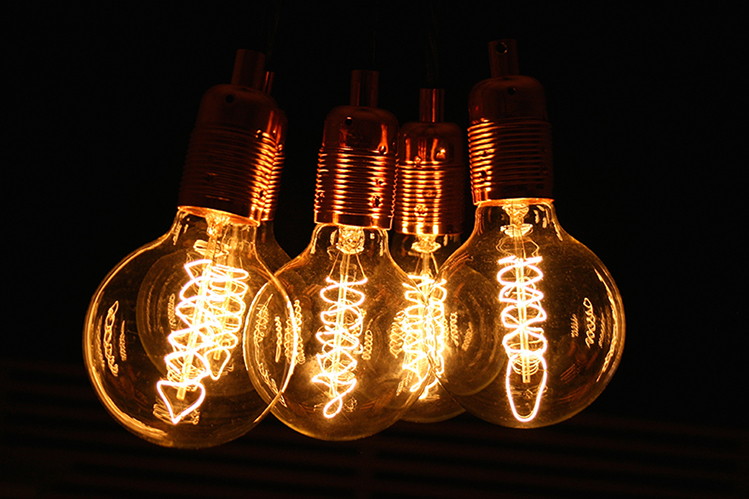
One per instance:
(535,322)
(358,363)
(162,337)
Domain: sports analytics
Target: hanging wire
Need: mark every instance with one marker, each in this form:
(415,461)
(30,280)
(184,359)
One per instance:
(431,48)
(271,27)
(373,38)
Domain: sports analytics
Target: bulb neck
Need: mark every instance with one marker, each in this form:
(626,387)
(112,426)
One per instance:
(266,231)
(422,254)
(199,212)
(366,242)
(218,235)
(495,216)
(268,248)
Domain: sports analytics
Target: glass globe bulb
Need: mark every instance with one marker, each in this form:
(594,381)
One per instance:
(420,256)
(535,322)
(358,365)
(427,223)
(270,251)
(163,331)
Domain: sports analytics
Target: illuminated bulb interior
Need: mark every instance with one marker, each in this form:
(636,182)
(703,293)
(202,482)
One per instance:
(435,332)
(211,307)
(408,336)
(343,321)
(423,324)
(525,344)
(424,333)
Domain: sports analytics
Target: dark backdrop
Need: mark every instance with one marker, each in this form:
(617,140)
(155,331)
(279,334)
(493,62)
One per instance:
(646,101)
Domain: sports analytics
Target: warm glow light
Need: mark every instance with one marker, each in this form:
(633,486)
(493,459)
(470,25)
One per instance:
(408,335)
(525,344)
(212,307)
(107,338)
(436,331)
(163,329)
(422,332)
(433,323)
(424,328)
(164,332)
(345,287)
(536,322)
(352,376)
(339,337)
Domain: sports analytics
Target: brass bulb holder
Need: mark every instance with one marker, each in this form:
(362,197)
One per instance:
(234,144)
(273,185)
(356,163)
(429,172)
(509,137)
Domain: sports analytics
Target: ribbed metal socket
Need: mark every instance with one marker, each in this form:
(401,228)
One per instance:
(510,160)
(430,173)
(232,152)
(273,182)
(273,186)
(355,188)
(509,138)
(356,163)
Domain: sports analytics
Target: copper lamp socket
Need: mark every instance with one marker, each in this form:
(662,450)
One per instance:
(430,172)
(234,144)
(272,188)
(356,163)
(273,182)
(509,137)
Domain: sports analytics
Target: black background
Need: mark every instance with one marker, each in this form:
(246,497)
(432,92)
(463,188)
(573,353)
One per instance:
(646,101)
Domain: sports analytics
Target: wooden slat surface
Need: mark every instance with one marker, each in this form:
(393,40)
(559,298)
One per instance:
(57,440)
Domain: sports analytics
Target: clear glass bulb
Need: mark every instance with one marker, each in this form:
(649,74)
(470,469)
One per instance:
(271,253)
(162,337)
(358,365)
(535,322)
(420,256)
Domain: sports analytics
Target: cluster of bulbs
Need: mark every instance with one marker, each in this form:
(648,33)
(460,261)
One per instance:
(194,338)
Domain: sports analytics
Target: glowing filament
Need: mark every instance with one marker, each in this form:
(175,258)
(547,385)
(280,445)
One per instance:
(423,331)
(435,332)
(108,333)
(212,308)
(412,334)
(525,345)
(339,337)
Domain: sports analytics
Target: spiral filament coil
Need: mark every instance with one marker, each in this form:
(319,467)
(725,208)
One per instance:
(339,338)
(525,344)
(212,306)
(410,333)
(425,333)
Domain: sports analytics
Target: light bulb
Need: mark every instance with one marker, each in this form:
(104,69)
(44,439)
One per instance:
(536,323)
(272,254)
(355,374)
(427,226)
(163,333)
